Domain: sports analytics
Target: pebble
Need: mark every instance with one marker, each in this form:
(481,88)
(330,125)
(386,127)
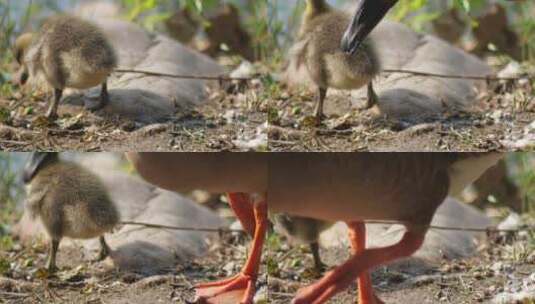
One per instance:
(229,267)
(245,70)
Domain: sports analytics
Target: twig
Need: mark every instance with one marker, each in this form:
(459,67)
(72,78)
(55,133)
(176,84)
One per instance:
(199,229)
(282,294)
(14,294)
(220,77)
(13,142)
(487,78)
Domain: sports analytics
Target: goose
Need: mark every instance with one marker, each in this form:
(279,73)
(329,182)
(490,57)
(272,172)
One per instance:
(70,201)
(328,66)
(350,187)
(70,53)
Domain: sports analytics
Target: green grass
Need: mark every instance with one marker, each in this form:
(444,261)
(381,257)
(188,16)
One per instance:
(11,192)
(523,174)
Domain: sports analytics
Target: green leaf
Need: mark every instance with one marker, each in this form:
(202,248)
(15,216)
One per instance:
(464,4)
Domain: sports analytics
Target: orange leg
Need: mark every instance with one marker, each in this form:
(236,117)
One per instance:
(240,288)
(344,275)
(357,236)
(242,205)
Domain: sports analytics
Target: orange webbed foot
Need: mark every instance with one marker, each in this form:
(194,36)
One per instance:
(252,213)
(344,275)
(238,289)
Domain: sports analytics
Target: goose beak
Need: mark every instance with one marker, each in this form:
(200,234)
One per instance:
(368,14)
(33,165)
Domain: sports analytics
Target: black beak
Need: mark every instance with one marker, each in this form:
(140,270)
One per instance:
(35,163)
(369,13)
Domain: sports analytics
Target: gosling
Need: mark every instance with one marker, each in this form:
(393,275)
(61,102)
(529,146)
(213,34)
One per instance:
(303,230)
(70,200)
(70,53)
(321,32)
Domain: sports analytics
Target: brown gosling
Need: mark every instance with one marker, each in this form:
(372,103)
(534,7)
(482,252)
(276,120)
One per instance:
(302,230)
(70,201)
(70,53)
(322,30)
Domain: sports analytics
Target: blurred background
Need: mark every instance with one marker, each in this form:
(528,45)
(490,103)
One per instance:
(480,26)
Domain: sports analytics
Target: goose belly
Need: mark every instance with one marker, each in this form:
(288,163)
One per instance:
(345,75)
(80,74)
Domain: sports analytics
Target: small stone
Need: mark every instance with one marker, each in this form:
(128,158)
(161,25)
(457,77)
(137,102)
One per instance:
(478,275)
(513,221)
(497,115)
(128,126)
(245,70)
(229,267)
(497,267)
(513,69)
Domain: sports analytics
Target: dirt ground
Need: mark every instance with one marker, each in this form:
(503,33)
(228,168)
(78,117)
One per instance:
(233,117)
(82,281)
(502,264)
(220,124)
(495,269)
(500,114)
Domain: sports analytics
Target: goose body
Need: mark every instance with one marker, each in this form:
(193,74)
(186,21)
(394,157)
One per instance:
(320,35)
(70,53)
(69,200)
(386,186)
(350,187)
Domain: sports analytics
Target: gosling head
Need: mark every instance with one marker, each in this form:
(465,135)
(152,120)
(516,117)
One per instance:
(368,14)
(36,162)
(20,48)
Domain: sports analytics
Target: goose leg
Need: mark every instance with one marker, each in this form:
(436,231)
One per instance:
(104,249)
(103,99)
(52,112)
(243,207)
(53,250)
(372,98)
(342,276)
(240,288)
(357,237)
(322,93)
(104,96)
(318,264)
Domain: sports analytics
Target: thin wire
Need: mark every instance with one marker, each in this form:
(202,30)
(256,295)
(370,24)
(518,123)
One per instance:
(389,71)
(199,229)
(382,222)
(220,77)
(488,77)
(469,229)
